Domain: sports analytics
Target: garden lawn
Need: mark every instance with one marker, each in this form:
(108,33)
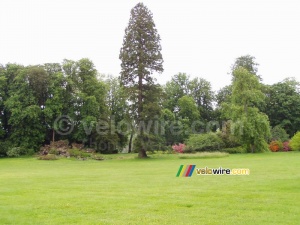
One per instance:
(133,191)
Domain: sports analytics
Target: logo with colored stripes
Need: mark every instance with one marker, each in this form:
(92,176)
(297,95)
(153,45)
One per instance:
(185,170)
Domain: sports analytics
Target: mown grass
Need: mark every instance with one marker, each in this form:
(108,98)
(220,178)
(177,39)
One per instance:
(132,191)
(203,155)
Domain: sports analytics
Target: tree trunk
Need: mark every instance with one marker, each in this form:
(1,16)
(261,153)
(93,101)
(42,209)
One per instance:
(140,100)
(142,150)
(142,153)
(53,135)
(252,148)
(130,142)
(90,143)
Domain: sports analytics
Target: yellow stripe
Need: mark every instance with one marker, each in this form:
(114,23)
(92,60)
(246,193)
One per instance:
(183,170)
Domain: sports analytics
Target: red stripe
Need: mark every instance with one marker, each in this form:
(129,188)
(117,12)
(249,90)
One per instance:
(188,171)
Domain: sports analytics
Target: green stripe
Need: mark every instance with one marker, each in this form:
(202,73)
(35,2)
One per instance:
(179,171)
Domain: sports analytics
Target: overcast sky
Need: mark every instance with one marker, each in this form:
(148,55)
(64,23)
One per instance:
(201,38)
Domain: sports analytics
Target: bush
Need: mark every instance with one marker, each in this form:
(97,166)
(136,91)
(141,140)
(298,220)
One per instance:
(27,151)
(205,142)
(4,147)
(295,142)
(279,134)
(14,152)
(179,148)
(53,151)
(107,146)
(47,157)
(108,143)
(235,150)
(150,142)
(78,153)
(166,150)
(188,149)
(286,146)
(276,146)
(97,157)
(227,137)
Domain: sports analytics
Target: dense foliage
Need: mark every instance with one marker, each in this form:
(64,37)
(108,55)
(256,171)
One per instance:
(250,125)
(96,109)
(283,105)
(295,142)
(278,133)
(205,142)
(35,98)
(72,101)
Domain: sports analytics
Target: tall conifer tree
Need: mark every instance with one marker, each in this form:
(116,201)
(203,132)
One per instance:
(141,57)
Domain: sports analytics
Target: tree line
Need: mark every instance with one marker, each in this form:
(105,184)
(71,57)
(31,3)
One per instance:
(72,100)
(33,97)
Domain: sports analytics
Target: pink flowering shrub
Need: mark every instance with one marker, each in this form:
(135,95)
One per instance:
(178,148)
(286,146)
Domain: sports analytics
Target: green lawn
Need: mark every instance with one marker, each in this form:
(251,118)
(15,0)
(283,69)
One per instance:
(132,191)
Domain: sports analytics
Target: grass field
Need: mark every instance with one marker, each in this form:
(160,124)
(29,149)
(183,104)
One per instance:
(133,191)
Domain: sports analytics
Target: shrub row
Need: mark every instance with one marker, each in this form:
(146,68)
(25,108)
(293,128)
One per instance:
(215,142)
(206,142)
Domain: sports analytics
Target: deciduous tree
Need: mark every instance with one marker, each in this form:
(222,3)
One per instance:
(247,62)
(250,125)
(283,105)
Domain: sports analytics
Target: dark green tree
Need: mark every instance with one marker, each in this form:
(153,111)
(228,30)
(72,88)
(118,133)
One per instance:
(24,105)
(118,110)
(178,87)
(90,104)
(279,134)
(283,105)
(224,95)
(167,121)
(198,88)
(201,91)
(188,118)
(141,57)
(188,109)
(2,98)
(55,103)
(7,76)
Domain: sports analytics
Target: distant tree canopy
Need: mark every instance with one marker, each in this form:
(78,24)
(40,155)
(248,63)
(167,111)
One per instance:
(34,97)
(198,88)
(71,101)
(283,105)
(247,62)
